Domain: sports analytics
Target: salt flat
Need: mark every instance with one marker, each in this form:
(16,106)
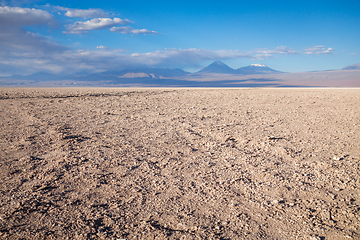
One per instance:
(180,163)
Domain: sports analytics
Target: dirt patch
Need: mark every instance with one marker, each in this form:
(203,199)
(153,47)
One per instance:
(180,164)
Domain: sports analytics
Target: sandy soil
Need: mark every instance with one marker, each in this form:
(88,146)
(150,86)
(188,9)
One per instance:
(180,164)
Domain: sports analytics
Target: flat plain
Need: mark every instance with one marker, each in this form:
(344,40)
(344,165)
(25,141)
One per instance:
(258,163)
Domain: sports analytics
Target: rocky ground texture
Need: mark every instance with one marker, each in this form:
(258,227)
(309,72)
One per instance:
(179,163)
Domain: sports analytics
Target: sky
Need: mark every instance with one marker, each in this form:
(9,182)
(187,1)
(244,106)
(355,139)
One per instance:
(66,36)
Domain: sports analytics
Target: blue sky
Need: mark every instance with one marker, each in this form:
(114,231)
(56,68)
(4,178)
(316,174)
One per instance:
(72,36)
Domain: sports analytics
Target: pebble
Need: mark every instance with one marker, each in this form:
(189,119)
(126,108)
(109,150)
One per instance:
(315,238)
(270,137)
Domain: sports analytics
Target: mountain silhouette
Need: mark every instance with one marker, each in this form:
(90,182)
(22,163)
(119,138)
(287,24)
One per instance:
(255,69)
(352,67)
(218,67)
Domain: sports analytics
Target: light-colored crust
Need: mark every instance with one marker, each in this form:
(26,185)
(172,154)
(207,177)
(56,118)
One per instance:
(180,163)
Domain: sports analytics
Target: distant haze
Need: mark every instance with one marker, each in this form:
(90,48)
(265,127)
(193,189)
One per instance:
(217,74)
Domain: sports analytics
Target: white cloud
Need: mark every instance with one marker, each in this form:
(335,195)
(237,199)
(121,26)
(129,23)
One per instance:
(329,50)
(278,50)
(73,61)
(319,50)
(130,30)
(20,51)
(185,57)
(143,31)
(99,21)
(262,54)
(83,13)
(15,40)
(116,59)
(26,53)
(23,16)
(94,24)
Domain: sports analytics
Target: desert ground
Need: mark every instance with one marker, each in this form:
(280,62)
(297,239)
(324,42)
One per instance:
(107,163)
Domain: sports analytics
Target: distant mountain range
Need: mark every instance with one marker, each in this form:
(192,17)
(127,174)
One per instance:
(156,73)
(353,67)
(256,69)
(220,67)
(217,74)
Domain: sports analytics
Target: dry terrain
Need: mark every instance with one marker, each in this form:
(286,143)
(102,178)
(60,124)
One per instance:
(179,163)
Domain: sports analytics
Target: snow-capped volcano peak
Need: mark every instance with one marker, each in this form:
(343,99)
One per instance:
(255,69)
